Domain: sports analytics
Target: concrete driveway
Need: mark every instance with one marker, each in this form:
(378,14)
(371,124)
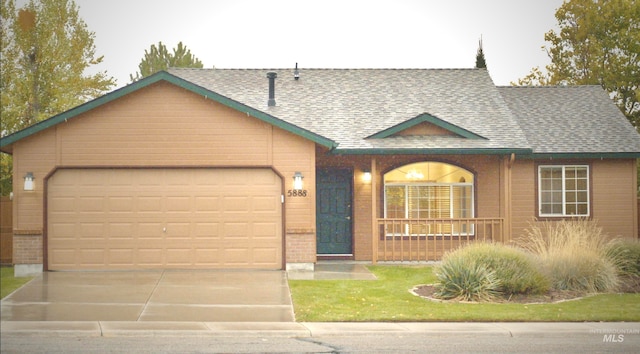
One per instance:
(191,296)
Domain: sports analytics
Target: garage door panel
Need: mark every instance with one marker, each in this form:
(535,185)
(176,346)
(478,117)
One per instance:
(118,204)
(164,218)
(207,204)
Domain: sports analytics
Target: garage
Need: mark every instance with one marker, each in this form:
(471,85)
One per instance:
(164,218)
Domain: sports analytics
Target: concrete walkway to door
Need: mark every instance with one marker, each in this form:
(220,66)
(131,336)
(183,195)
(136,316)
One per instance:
(189,296)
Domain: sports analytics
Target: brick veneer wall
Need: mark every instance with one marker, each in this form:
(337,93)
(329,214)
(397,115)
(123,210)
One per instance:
(27,247)
(301,246)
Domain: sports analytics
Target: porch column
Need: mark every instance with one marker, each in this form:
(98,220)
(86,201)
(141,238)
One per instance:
(505,207)
(374,212)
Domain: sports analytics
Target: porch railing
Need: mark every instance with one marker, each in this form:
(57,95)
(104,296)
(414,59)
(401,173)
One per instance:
(429,239)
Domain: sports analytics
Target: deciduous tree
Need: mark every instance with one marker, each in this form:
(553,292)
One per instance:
(158,58)
(598,44)
(46,49)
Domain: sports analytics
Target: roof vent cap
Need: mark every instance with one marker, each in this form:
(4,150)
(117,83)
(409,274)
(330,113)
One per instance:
(272,88)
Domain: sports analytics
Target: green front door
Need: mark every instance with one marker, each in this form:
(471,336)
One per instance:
(333,208)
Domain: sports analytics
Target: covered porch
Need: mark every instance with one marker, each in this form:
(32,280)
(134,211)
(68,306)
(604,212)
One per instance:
(407,208)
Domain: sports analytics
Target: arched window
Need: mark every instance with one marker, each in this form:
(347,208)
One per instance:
(428,190)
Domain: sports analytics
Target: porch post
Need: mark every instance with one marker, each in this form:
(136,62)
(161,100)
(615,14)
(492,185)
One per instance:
(505,209)
(374,212)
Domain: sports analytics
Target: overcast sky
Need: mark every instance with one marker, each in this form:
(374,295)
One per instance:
(326,33)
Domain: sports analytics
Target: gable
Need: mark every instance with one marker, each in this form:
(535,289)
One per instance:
(7,142)
(163,122)
(425,125)
(425,129)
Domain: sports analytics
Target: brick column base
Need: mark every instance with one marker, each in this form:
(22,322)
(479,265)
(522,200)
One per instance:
(301,250)
(27,252)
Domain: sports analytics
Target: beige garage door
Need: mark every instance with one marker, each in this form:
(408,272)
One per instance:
(164,218)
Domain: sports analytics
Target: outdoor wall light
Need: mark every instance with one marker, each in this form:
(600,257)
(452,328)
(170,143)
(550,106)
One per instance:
(366,176)
(28,181)
(297,181)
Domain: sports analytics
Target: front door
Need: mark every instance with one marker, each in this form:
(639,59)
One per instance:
(333,208)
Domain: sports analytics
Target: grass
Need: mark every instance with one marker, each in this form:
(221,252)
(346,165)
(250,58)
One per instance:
(486,271)
(388,299)
(575,255)
(9,283)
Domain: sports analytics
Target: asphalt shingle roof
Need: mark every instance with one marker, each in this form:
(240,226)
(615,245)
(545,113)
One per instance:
(571,119)
(362,110)
(349,105)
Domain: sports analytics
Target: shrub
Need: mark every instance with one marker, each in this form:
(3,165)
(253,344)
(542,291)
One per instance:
(626,255)
(575,255)
(459,279)
(517,270)
(467,271)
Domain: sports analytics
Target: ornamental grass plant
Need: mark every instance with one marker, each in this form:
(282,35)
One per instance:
(627,256)
(486,271)
(575,255)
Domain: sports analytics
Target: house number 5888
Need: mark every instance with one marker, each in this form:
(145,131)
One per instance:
(297,193)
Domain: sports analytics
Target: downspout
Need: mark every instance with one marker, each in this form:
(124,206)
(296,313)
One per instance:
(374,213)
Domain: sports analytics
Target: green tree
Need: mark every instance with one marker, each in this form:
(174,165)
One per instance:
(46,48)
(158,58)
(598,44)
(481,63)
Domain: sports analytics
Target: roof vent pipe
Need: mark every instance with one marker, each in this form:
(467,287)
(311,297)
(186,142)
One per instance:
(272,88)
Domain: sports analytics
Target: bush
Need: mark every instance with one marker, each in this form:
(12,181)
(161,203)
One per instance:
(517,270)
(459,279)
(468,271)
(574,254)
(626,255)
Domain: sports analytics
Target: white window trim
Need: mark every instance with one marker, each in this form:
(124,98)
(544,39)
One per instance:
(564,196)
(406,233)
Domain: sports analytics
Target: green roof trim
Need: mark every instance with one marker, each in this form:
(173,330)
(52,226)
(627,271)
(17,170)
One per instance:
(452,151)
(150,80)
(426,118)
(584,155)
(520,153)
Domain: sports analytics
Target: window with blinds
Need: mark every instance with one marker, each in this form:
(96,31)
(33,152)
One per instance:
(431,191)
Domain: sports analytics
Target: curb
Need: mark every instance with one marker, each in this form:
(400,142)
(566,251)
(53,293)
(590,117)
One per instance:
(307,329)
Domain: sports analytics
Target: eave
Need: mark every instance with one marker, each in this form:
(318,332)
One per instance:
(583,155)
(419,151)
(7,142)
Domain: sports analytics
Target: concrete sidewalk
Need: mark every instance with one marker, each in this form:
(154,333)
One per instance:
(310,329)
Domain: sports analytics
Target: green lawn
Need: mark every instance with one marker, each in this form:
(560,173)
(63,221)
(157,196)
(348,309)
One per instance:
(8,283)
(389,299)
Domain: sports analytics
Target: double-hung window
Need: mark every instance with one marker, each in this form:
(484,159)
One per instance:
(563,190)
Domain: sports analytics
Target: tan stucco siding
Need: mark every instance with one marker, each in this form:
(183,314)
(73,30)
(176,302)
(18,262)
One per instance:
(161,125)
(523,192)
(38,159)
(294,154)
(613,196)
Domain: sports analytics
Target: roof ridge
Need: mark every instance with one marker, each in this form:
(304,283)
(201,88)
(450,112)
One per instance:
(329,69)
